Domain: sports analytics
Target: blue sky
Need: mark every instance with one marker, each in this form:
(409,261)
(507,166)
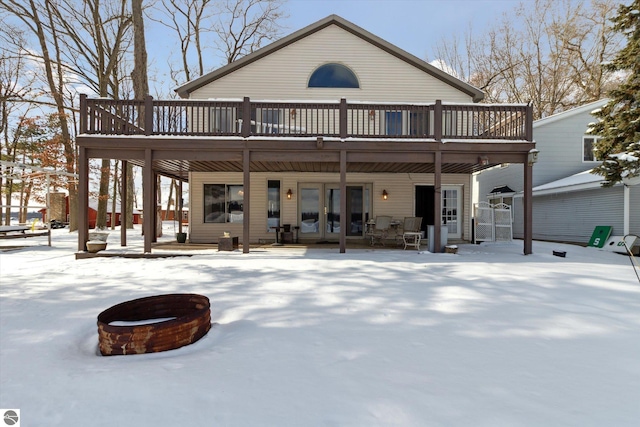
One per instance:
(413,25)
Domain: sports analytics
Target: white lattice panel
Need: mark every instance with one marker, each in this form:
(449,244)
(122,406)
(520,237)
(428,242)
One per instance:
(483,222)
(503,222)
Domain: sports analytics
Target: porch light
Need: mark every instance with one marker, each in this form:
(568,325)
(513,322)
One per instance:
(483,160)
(293,113)
(372,114)
(385,195)
(532,157)
(289,194)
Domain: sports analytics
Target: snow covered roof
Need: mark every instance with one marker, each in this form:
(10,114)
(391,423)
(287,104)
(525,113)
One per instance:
(580,181)
(93,204)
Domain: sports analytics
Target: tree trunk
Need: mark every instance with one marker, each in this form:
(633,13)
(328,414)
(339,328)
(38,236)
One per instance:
(103,198)
(140,87)
(166,212)
(130,196)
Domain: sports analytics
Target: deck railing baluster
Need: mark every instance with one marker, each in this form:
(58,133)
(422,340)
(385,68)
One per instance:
(340,119)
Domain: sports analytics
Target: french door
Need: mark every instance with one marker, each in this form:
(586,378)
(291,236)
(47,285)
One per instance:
(320,210)
(451,207)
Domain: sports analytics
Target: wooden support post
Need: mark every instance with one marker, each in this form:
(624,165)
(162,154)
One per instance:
(437,121)
(155,209)
(529,123)
(437,203)
(123,204)
(179,201)
(148,115)
(528,208)
(343,118)
(246,208)
(83,113)
(83,199)
(148,200)
(343,201)
(246,117)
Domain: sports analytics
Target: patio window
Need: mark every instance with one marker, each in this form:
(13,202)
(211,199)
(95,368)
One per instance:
(223,203)
(419,124)
(223,120)
(393,123)
(333,75)
(268,120)
(588,149)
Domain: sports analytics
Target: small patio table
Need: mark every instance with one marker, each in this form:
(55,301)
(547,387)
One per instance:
(412,238)
(277,228)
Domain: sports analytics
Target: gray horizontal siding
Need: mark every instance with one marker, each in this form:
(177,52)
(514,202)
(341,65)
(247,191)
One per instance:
(572,217)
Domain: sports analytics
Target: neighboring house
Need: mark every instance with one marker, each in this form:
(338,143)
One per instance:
(568,200)
(311,131)
(92,213)
(172,215)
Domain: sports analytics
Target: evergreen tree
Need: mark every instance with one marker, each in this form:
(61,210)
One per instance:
(619,124)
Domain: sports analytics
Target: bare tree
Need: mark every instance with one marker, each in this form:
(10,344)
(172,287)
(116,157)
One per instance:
(96,38)
(139,77)
(185,18)
(14,88)
(549,53)
(243,26)
(234,27)
(38,19)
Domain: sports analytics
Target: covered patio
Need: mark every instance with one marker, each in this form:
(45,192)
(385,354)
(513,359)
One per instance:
(174,138)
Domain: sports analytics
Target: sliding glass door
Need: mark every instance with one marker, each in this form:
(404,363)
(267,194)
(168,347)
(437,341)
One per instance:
(320,210)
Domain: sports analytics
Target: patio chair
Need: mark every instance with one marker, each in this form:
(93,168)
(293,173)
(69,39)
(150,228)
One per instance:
(380,229)
(411,234)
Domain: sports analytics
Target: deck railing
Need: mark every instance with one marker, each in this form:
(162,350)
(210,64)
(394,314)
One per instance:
(342,119)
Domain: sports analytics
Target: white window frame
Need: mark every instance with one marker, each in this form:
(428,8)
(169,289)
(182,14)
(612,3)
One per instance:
(593,146)
(458,208)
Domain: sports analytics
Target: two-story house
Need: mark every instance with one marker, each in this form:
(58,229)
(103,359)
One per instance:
(322,130)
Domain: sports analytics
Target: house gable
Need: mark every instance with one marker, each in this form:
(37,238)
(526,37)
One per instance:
(282,69)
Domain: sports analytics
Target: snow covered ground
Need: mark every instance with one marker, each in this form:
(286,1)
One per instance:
(378,337)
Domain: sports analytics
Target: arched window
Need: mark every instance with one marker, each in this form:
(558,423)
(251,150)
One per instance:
(333,75)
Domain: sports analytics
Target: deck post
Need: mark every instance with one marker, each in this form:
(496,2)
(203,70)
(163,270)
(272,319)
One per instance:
(437,203)
(154,238)
(83,113)
(343,201)
(343,118)
(179,201)
(529,119)
(148,200)
(123,204)
(246,117)
(437,124)
(83,198)
(528,208)
(246,208)
(148,115)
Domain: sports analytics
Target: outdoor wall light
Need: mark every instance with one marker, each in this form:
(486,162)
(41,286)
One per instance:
(372,114)
(289,194)
(483,160)
(532,157)
(293,113)
(385,195)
